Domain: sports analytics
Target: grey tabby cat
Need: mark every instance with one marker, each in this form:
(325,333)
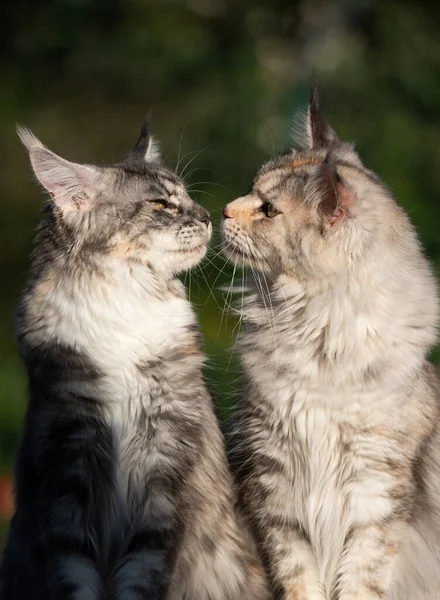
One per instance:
(122,485)
(336,439)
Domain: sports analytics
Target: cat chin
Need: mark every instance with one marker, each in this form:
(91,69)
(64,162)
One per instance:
(239,257)
(182,260)
(192,258)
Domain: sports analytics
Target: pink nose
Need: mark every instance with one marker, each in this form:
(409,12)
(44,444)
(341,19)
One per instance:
(226,213)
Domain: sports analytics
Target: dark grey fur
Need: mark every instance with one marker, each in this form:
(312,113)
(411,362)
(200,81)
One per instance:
(122,487)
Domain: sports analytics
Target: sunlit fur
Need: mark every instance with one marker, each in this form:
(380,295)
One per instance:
(122,485)
(335,440)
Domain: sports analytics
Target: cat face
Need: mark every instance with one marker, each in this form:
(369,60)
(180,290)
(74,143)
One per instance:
(310,211)
(136,210)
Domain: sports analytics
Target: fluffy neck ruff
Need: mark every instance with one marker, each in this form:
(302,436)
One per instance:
(118,316)
(374,321)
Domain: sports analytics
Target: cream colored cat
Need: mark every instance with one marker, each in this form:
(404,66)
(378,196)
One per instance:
(336,443)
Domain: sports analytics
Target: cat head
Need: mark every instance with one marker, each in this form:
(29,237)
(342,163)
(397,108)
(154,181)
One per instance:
(310,211)
(136,210)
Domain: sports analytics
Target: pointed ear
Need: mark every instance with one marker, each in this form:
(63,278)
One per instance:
(72,187)
(146,149)
(336,197)
(319,131)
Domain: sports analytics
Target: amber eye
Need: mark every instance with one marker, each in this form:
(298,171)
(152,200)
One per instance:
(158,203)
(165,205)
(269,210)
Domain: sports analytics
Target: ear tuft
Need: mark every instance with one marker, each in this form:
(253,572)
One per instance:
(27,138)
(299,129)
(153,151)
(143,142)
(319,132)
(72,187)
(146,149)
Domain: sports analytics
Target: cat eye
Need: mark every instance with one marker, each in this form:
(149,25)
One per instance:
(269,210)
(164,205)
(158,203)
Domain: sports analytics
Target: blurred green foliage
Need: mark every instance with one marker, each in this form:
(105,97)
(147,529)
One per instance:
(223,80)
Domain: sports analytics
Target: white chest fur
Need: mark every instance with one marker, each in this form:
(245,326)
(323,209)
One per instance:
(335,477)
(124,328)
(337,365)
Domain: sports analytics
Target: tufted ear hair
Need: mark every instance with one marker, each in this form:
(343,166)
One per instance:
(319,132)
(72,187)
(146,149)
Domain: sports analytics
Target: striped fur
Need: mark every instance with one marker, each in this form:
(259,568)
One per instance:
(122,485)
(335,441)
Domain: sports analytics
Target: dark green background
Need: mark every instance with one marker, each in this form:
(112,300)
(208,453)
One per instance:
(223,78)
